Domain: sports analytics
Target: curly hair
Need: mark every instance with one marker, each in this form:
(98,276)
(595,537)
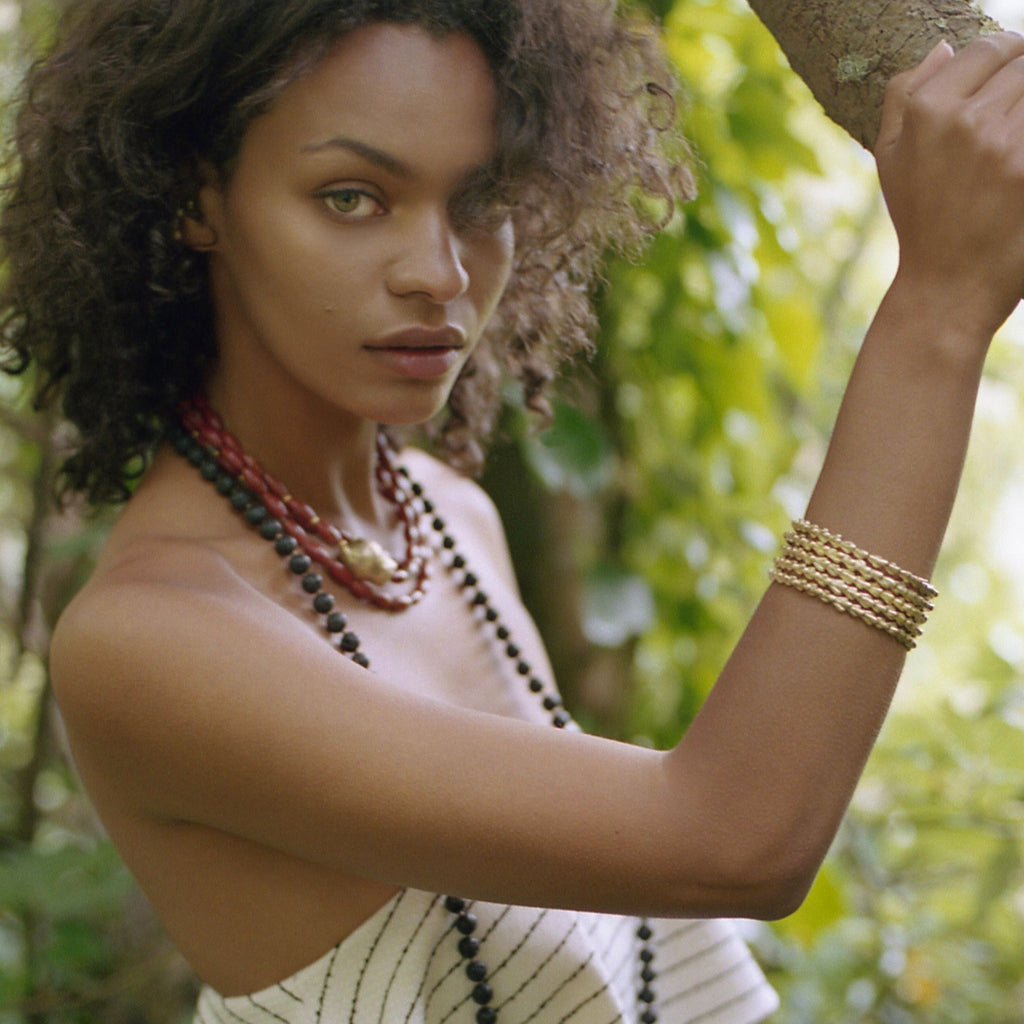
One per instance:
(113,123)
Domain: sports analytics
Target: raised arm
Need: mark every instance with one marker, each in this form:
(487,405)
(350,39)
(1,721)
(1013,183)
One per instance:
(802,698)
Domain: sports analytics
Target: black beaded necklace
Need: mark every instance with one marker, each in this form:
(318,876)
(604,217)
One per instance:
(242,499)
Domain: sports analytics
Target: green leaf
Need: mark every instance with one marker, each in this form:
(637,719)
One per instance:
(573,455)
(68,882)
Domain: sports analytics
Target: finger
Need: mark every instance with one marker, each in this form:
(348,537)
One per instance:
(902,86)
(977,63)
(916,77)
(1005,89)
(1015,114)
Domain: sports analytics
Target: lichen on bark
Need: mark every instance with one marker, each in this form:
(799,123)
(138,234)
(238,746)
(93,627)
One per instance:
(855,67)
(847,52)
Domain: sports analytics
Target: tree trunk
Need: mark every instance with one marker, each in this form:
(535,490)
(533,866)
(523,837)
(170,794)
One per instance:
(846,50)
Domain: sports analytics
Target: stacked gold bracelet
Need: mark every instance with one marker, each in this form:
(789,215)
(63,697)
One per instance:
(826,566)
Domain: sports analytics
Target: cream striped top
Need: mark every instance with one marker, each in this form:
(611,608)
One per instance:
(402,966)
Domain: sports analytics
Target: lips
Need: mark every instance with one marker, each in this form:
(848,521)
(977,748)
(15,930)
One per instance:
(446,337)
(422,353)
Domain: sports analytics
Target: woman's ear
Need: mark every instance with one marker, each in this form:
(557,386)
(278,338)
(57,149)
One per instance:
(192,228)
(194,225)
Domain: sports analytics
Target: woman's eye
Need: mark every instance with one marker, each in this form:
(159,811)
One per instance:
(351,202)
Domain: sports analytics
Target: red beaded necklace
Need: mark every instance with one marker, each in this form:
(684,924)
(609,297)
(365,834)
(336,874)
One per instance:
(361,566)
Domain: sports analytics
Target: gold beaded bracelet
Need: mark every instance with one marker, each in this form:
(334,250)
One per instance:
(824,565)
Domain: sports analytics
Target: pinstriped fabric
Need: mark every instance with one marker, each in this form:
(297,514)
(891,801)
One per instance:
(545,966)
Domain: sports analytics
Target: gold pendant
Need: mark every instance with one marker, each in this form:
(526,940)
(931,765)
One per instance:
(367,561)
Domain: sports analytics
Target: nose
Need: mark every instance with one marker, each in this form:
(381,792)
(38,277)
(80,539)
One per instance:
(430,261)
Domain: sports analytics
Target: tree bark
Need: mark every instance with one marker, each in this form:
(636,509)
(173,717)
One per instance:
(847,50)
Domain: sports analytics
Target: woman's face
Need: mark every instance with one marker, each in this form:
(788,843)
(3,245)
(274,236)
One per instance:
(337,272)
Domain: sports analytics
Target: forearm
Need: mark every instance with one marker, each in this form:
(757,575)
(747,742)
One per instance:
(897,451)
(784,735)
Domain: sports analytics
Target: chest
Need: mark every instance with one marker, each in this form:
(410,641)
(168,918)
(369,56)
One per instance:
(481,653)
(449,648)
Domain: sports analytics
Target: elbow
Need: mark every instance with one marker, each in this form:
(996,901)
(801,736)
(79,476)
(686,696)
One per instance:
(779,898)
(766,899)
(763,886)
(757,858)
(783,874)
(784,869)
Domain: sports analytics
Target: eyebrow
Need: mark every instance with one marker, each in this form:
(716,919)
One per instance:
(386,161)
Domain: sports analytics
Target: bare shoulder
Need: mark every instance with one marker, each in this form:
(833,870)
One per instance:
(155,591)
(164,667)
(163,579)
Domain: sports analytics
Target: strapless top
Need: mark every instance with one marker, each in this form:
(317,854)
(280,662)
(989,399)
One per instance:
(403,966)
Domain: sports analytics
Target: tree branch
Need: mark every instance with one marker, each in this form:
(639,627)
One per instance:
(847,52)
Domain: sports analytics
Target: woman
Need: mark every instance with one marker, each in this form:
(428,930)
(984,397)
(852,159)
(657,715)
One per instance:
(318,218)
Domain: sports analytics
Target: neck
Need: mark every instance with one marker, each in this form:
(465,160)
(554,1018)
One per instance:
(326,458)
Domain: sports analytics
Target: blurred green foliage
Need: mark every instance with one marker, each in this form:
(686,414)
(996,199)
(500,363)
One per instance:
(643,523)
